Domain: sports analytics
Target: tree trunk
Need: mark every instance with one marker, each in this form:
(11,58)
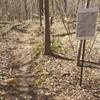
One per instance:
(41,10)
(26,12)
(47,29)
(52,15)
(65,6)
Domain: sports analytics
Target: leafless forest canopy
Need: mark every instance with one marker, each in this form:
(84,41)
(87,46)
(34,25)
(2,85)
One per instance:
(27,9)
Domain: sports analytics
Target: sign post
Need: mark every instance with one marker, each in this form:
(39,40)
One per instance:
(86,26)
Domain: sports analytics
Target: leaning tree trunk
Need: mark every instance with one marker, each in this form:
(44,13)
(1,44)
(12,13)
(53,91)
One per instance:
(47,29)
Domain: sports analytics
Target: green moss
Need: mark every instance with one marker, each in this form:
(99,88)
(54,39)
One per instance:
(41,76)
(38,49)
(38,82)
(56,45)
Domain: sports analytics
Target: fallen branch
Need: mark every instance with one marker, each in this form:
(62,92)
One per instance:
(61,35)
(7,29)
(7,22)
(19,28)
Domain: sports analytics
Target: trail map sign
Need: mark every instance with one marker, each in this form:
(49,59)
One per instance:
(86,23)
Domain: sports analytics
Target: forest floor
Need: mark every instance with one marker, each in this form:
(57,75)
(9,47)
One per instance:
(27,74)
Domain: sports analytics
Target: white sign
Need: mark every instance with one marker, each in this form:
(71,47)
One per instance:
(86,23)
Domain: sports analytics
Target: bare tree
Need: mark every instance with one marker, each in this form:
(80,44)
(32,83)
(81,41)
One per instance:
(65,6)
(53,12)
(47,29)
(41,10)
(27,9)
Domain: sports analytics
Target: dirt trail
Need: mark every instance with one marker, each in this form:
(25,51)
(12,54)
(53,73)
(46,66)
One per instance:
(29,77)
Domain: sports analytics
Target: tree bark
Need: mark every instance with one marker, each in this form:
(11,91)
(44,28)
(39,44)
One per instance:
(52,15)
(47,29)
(41,10)
(26,11)
(65,6)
